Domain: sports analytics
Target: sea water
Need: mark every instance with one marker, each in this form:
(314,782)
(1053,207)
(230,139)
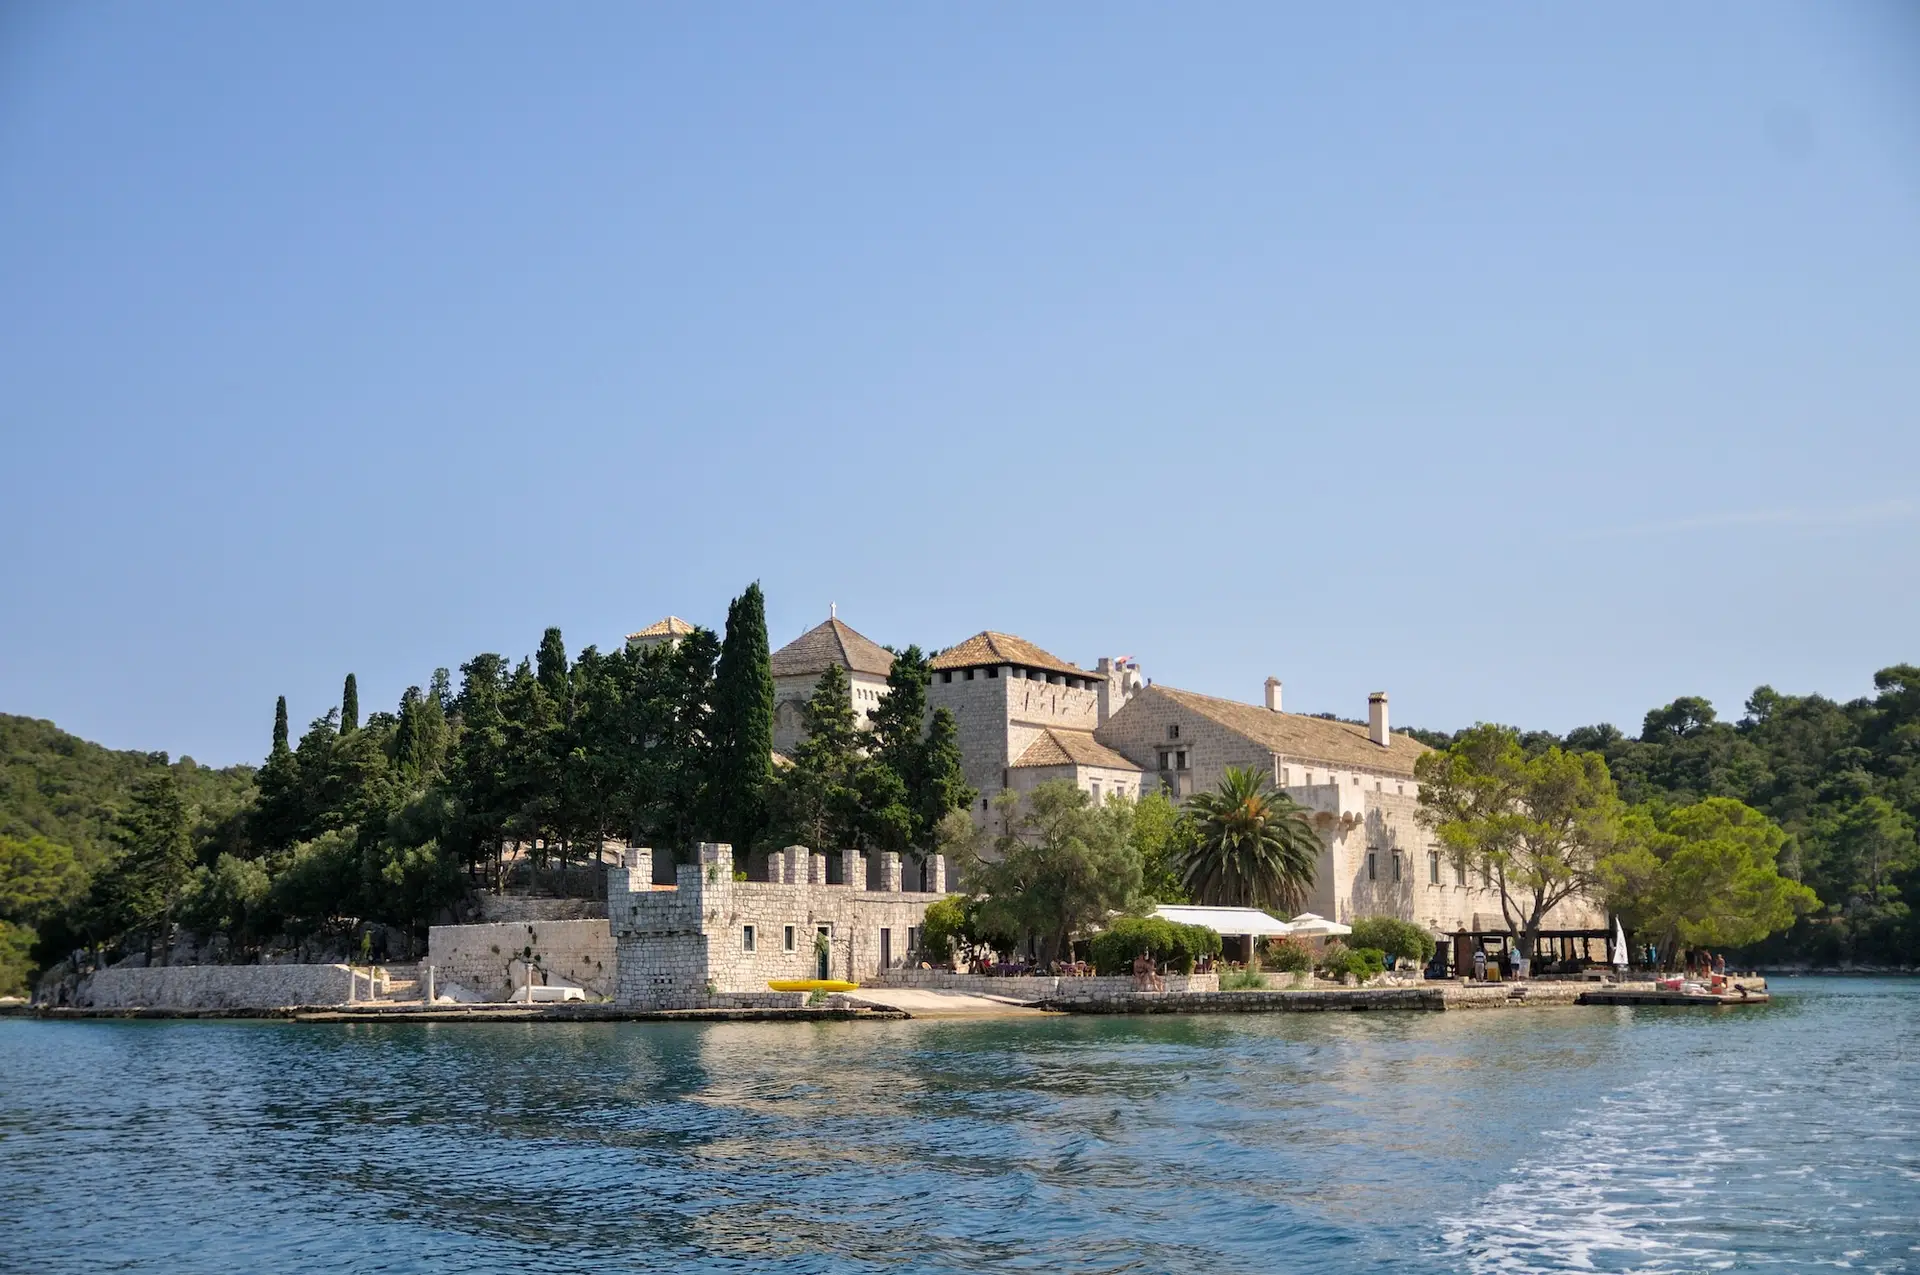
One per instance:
(1607,1139)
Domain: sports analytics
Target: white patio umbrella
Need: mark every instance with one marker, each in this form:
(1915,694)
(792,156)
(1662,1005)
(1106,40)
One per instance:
(1315,926)
(1620,944)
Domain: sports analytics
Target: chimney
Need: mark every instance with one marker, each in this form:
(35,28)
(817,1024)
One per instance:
(1377,717)
(1273,695)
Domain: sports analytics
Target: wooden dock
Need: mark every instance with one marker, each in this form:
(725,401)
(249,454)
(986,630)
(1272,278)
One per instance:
(1659,996)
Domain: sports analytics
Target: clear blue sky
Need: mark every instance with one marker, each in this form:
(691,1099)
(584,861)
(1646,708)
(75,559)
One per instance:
(1533,363)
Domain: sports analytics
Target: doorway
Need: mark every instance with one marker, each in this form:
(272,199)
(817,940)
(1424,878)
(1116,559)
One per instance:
(821,952)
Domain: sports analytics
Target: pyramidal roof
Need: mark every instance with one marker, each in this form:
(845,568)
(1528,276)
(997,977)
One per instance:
(988,647)
(670,626)
(831,643)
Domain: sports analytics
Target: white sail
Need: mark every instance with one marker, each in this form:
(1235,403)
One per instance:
(1619,943)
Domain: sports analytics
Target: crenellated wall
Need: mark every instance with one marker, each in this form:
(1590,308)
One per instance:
(679,948)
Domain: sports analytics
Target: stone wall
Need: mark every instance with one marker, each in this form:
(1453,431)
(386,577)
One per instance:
(790,694)
(216,987)
(712,935)
(1030,987)
(507,907)
(491,960)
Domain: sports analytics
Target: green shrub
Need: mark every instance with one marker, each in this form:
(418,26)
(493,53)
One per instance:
(945,926)
(1339,960)
(1287,956)
(1243,981)
(1394,937)
(1114,948)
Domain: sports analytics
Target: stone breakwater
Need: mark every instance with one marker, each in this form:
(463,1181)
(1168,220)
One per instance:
(1420,996)
(215,986)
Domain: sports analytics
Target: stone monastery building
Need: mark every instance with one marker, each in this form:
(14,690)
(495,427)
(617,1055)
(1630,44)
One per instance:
(1026,716)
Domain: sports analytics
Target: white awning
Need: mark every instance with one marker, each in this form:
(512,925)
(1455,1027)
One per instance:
(1224,920)
(1311,923)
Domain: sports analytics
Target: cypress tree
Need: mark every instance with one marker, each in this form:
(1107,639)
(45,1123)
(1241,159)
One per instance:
(939,784)
(900,721)
(551,663)
(349,706)
(276,816)
(742,725)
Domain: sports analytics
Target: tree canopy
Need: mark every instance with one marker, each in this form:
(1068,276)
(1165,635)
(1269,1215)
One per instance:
(1533,824)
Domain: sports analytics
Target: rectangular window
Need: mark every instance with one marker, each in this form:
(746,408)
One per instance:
(786,938)
(886,949)
(1459,874)
(946,675)
(746,938)
(1486,876)
(1356,781)
(1433,867)
(1095,785)
(1309,779)
(1373,866)
(969,675)
(993,672)
(1396,866)
(1180,760)
(1163,761)
(1173,732)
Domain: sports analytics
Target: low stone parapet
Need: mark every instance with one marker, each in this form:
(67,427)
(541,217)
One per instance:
(1252,1002)
(216,987)
(1039,987)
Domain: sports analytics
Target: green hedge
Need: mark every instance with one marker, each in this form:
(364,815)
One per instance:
(1166,941)
(1362,962)
(1394,937)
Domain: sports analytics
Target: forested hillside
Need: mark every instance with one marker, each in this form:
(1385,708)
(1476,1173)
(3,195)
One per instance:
(62,787)
(386,821)
(1842,779)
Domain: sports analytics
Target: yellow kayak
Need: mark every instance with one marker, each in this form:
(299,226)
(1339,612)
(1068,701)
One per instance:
(812,985)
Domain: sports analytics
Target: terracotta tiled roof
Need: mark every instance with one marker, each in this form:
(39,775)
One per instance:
(831,643)
(671,626)
(1002,648)
(1071,748)
(1306,738)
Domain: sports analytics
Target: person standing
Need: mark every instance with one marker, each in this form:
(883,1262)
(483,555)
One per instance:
(1479,965)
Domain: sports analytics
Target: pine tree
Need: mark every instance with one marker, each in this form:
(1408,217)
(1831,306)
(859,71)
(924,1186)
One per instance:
(742,725)
(146,883)
(280,744)
(349,706)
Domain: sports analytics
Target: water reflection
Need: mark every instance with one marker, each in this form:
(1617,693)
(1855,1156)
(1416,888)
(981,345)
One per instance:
(1508,1139)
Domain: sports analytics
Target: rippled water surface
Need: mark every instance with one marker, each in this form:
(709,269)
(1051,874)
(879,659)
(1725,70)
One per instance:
(1551,1139)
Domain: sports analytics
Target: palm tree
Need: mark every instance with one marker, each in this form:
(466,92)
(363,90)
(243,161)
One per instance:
(1251,847)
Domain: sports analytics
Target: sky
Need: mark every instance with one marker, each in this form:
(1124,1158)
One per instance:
(1531,363)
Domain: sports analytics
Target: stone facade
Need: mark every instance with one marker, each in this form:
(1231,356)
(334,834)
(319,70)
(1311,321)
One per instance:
(216,987)
(714,937)
(1005,709)
(1375,858)
(492,960)
(797,668)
